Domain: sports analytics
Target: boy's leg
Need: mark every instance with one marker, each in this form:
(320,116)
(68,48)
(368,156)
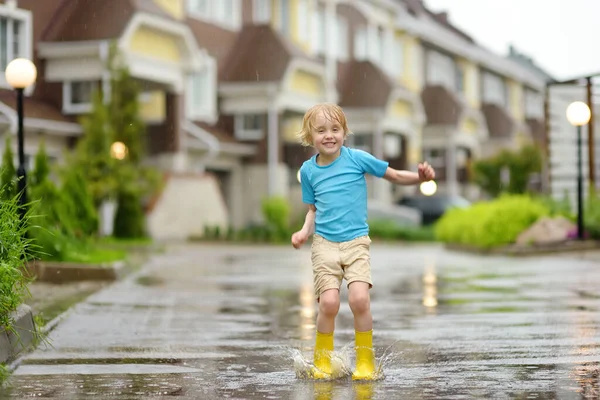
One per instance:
(327,274)
(356,260)
(358,297)
(329,305)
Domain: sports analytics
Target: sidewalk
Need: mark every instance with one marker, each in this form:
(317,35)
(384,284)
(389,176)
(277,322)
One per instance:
(214,322)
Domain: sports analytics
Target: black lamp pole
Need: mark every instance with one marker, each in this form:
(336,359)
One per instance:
(579,187)
(21,174)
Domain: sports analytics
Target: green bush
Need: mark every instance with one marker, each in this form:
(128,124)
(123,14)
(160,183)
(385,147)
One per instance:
(14,249)
(80,201)
(592,215)
(521,164)
(491,223)
(129,218)
(276,211)
(8,178)
(390,230)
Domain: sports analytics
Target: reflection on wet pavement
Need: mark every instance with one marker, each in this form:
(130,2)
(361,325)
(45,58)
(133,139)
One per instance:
(206,322)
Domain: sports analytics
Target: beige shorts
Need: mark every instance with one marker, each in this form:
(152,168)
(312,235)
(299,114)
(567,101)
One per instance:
(333,262)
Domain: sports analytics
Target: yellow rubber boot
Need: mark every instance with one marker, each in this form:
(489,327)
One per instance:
(365,356)
(322,358)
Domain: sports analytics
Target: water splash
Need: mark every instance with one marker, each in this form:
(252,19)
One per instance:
(342,363)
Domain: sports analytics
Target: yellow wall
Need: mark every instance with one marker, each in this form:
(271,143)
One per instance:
(515,98)
(401,109)
(173,7)
(155,44)
(415,150)
(306,83)
(154,107)
(291,127)
(412,77)
(470,126)
(471,83)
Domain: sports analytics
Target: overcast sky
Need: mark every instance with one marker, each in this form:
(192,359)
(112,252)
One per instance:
(561,35)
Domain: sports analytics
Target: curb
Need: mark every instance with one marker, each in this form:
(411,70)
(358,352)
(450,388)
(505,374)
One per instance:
(524,251)
(61,272)
(14,343)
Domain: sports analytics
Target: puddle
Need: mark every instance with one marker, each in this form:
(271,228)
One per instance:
(150,281)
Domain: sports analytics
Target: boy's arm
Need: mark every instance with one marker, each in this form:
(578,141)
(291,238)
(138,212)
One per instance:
(401,177)
(426,173)
(308,228)
(309,222)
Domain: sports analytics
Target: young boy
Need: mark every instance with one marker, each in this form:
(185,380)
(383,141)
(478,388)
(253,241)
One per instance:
(334,187)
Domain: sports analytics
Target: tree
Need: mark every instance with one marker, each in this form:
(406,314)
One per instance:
(520,164)
(8,175)
(115,117)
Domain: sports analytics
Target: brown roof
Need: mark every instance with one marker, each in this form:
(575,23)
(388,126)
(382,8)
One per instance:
(362,84)
(76,20)
(221,135)
(33,108)
(259,55)
(216,40)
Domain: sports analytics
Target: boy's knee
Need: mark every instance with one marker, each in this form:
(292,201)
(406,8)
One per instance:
(359,302)
(329,303)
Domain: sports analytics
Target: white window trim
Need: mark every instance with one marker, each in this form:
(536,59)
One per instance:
(257,15)
(341,38)
(208,112)
(9,10)
(246,134)
(68,106)
(212,18)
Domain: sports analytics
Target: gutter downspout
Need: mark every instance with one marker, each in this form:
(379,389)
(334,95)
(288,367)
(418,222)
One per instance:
(214,147)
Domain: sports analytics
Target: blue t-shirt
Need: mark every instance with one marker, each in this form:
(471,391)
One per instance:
(339,192)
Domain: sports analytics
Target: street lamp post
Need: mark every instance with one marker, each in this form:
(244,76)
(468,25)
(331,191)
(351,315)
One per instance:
(21,73)
(578,114)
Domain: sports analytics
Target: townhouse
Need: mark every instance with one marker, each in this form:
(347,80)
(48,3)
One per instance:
(226,84)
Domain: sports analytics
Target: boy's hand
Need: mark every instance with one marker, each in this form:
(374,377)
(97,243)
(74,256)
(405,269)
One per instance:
(298,239)
(426,172)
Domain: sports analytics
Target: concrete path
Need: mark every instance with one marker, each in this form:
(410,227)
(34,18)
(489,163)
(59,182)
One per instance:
(217,322)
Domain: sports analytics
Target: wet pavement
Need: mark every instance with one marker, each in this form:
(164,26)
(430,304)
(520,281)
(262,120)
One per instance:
(223,322)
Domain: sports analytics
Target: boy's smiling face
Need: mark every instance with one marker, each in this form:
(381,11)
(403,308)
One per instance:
(327,136)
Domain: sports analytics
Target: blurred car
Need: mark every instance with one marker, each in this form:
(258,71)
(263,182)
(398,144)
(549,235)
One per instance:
(433,207)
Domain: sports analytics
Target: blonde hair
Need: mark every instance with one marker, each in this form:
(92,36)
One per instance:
(333,112)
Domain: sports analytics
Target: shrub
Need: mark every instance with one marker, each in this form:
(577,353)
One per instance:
(592,215)
(129,218)
(13,251)
(80,201)
(8,178)
(521,164)
(276,211)
(390,230)
(490,224)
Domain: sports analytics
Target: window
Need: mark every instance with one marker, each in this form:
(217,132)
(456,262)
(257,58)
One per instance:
(360,44)
(284,16)
(534,104)
(223,12)
(201,96)
(341,38)
(319,36)
(494,89)
(392,145)
(249,126)
(441,70)
(12,35)
(395,60)
(77,96)
(262,11)
(435,157)
(201,7)
(303,21)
